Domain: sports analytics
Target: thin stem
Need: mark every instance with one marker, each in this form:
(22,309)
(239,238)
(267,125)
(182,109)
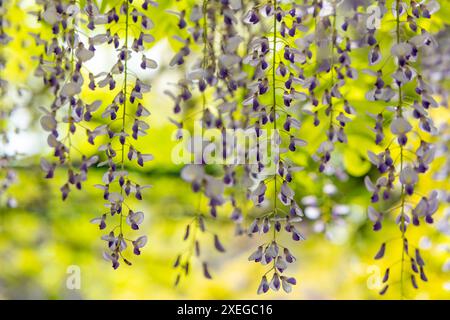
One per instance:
(402,222)
(402,216)
(205,50)
(274,103)
(69,110)
(125,98)
(333,40)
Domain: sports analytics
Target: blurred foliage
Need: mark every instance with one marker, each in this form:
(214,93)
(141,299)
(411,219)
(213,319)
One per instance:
(43,236)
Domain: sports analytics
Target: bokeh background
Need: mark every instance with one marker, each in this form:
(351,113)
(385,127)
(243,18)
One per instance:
(41,237)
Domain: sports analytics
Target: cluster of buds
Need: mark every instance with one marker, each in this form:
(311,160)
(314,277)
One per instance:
(280,257)
(183,260)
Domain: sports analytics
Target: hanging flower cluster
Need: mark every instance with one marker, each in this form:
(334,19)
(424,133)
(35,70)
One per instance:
(333,64)
(208,75)
(400,164)
(435,68)
(276,62)
(126,116)
(62,67)
(302,35)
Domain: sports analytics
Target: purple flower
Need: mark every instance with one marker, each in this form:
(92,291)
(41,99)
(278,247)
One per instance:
(113,258)
(138,244)
(217,244)
(263,286)
(381,251)
(134,219)
(206,273)
(275,283)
